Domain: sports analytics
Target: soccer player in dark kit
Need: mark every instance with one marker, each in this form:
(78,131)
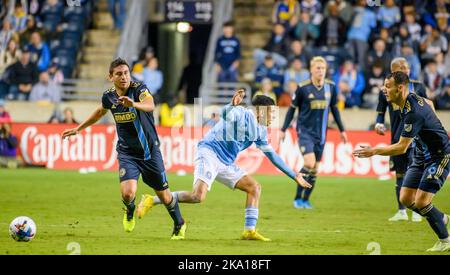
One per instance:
(131,105)
(430,167)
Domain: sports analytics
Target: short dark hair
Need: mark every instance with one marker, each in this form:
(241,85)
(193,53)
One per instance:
(262,100)
(399,78)
(116,63)
(228,24)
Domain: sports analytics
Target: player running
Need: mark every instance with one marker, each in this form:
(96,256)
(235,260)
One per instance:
(217,151)
(430,167)
(398,163)
(131,105)
(314,98)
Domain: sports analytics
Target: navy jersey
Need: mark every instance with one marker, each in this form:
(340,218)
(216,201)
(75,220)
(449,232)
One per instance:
(314,106)
(135,129)
(415,87)
(421,123)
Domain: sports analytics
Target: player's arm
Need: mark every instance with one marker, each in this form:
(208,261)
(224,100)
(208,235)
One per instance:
(398,148)
(145,104)
(227,112)
(291,112)
(95,116)
(337,115)
(381,110)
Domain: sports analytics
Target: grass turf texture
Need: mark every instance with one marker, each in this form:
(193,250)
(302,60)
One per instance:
(348,214)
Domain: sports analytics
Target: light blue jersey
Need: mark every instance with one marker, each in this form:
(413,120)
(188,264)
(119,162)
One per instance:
(236,131)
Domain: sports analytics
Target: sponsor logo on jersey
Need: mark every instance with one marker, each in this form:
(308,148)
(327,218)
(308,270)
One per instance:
(124,117)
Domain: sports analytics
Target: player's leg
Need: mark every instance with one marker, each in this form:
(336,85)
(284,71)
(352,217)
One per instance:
(318,151)
(129,175)
(309,157)
(399,165)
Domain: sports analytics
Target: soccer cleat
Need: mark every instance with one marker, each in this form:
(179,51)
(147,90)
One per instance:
(298,203)
(416,217)
(440,246)
(307,205)
(145,205)
(399,216)
(179,232)
(253,235)
(129,221)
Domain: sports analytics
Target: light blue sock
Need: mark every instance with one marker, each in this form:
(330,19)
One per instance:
(251,217)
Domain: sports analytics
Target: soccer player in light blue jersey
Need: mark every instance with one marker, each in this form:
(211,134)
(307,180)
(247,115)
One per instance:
(238,129)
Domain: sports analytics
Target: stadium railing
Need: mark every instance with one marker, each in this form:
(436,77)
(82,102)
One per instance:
(84,89)
(222,93)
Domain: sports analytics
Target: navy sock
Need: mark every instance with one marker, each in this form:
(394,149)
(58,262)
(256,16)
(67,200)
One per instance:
(174,210)
(399,182)
(435,219)
(130,208)
(306,173)
(312,180)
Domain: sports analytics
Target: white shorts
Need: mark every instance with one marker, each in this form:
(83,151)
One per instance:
(208,168)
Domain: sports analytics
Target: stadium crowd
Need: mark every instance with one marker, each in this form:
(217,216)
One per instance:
(358,41)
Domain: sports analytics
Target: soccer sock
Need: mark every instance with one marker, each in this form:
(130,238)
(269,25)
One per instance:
(130,206)
(436,220)
(306,173)
(399,182)
(251,217)
(174,210)
(157,201)
(312,180)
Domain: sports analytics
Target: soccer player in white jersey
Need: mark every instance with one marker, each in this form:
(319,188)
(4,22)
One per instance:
(238,129)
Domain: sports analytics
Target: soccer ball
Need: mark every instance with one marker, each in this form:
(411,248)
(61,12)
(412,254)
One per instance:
(22,229)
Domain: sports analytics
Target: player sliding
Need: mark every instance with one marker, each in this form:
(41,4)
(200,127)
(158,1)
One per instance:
(217,151)
(398,163)
(138,147)
(314,98)
(430,167)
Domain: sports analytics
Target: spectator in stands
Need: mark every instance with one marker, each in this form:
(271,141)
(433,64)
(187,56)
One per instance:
(69,117)
(54,73)
(272,71)
(9,55)
(227,55)
(350,83)
(305,30)
(7,34)
(51,14)
(386,36)
(360,29)
(379,54)
(413,60)
(440,65)
(402,37)
(45,90)
(34,7)
(345,10)
(266,89)
(314,9)
(31,27)
(8,146)
(414,28)
(389,14)
(443,100)
(40,53)
(285,98)
(171,113)
(191,78)
(333,29)
(433,80)
(5,117)
(297,51)
(153,77)
(432,44)
(277,47)
(4,8)
(284,10)
(145,55)
(375,81)
(118,12)
(19,18)
(22,76)
(210,122)
(295,72)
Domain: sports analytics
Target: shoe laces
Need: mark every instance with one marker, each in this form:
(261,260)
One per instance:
(177,228)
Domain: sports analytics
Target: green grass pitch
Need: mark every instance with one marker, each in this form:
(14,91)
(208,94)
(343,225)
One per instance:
(349,214)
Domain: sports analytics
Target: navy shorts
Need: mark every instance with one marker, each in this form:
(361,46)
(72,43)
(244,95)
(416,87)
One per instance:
(152,170)
(429,175)
(310,145)
(400,163)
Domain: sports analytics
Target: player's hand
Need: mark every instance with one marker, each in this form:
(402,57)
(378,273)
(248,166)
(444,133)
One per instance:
(70,132)
(344,137)
(238,97)
(282,136)
(364,152)
(125,101)
(301,181)
(380,129)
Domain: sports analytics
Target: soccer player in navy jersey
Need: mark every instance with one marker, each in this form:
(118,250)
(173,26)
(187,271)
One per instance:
(398,163)
(132,105)
(430,166)
(314,98)
(238,129)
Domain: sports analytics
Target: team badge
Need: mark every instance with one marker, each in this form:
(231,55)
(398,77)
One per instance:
(311,96)
(122,172)
(391,164)
(208,175)
(144,95)
(408,127)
